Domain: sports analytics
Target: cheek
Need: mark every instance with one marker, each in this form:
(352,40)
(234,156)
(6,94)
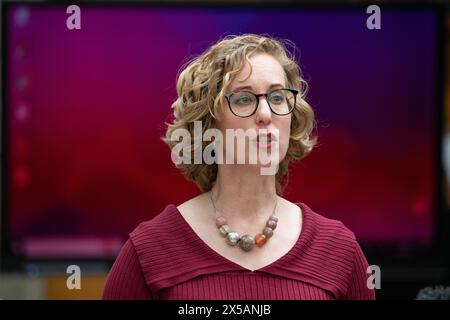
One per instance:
(230,121)
(285,132)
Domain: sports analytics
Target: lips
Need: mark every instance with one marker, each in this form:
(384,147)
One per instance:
(266,138)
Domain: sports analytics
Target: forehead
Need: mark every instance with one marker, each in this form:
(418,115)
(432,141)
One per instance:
(265,70)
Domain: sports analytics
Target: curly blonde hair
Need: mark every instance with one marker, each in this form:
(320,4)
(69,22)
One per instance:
(202,83)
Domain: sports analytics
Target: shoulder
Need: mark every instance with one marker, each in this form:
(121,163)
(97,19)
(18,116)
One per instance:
(341,257)
(143,255)
(327,230)
(150,232)
(162,245)
(154,239)
(329,252)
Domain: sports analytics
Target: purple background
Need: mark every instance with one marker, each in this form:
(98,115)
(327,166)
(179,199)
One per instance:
(87,109)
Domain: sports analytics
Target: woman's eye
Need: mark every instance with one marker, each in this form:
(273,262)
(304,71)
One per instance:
(243,100)
(276,98)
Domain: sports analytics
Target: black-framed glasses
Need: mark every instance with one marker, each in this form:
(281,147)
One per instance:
(245,103)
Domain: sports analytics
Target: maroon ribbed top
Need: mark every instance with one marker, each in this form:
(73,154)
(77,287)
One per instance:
(165,259)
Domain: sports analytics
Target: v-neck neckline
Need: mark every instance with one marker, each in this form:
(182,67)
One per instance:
(206,248)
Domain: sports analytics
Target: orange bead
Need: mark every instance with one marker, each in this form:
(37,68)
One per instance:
(260,239)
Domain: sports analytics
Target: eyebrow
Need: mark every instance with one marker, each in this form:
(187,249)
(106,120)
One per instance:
(251,88)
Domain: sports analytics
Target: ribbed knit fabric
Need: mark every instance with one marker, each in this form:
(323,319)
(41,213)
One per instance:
(165,259)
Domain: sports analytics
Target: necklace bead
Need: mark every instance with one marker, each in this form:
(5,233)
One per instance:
(268,232)
(224,230)
(272,224)
(260,239)
(220,221)
(247,242)
(233,238)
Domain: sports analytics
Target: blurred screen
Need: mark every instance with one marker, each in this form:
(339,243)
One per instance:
(86,110)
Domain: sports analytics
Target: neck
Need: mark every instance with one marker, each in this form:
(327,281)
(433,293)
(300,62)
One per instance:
(244,195)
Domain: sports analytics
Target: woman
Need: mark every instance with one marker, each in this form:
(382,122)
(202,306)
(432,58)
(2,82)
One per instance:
(239,239)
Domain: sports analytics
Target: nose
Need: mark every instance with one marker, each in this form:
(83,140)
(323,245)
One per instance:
(263,114)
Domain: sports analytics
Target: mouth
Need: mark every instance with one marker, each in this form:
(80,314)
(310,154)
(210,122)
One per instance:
(265,140)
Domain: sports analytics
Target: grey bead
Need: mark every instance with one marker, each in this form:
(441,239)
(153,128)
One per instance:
(271,224)
(247,242)
(274,218)
(232,238)
(268,232)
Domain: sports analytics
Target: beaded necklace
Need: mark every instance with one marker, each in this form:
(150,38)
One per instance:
(246,242)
